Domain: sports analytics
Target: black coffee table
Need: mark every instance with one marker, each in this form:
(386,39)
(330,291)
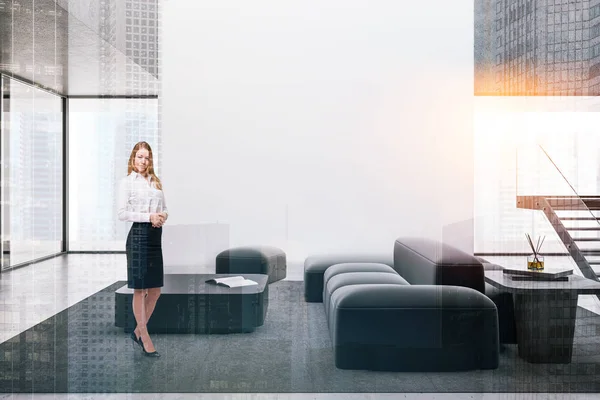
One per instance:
(190,305)
(545,314)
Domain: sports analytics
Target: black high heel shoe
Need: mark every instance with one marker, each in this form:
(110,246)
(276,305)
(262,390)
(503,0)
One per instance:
(153,354)
(136,340)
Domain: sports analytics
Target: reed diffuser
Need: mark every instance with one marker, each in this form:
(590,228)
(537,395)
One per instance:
(535,261)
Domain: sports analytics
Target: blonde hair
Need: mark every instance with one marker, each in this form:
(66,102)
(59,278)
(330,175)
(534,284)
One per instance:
(130,166)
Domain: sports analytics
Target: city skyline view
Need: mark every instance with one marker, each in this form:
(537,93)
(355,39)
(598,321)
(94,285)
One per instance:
(537,48)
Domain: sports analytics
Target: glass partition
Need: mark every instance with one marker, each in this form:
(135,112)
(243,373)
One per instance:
(549,184)
(32,173)
(509,163)
(102,133)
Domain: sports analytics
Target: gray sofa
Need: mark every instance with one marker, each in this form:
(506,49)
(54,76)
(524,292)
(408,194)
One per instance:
(424,261)
(425,312)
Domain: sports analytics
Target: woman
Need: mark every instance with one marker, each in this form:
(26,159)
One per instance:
(142,201)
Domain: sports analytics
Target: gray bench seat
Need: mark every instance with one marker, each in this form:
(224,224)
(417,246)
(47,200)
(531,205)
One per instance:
(413,328)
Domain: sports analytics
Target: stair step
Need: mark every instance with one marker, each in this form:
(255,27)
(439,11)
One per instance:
(586,239)
(574,203)
(579,218)
(590,253)
(570,203)
(596,228)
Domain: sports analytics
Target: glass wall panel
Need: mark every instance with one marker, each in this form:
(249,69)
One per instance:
(102,133)
(509,162)
(32,173)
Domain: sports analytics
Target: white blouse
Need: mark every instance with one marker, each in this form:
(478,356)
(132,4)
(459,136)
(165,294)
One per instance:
(138,198)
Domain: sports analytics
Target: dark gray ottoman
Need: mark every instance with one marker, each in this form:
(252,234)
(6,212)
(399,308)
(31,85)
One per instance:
(413,328)
(266,260)
(355,278)
(315,266)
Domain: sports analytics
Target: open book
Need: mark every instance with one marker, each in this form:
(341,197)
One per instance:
(232,281)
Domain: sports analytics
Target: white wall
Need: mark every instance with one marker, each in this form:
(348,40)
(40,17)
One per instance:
(319,125)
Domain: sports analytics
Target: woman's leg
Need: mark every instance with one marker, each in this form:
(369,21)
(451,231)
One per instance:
(151,299)
(143,306)
(139,310)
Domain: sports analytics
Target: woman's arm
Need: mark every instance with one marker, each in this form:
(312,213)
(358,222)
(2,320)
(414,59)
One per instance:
(123,211)
(165,211)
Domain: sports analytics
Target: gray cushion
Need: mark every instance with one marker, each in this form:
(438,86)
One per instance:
(356,278)
(414,297)
(428,262)
(315,266)
(354,267)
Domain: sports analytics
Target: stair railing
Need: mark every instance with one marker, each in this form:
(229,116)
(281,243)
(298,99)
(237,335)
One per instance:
(582,206)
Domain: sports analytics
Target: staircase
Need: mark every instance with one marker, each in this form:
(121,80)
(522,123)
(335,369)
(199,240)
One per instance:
(563,212)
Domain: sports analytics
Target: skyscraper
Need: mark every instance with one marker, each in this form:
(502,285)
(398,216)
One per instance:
(537,47)
(594,38)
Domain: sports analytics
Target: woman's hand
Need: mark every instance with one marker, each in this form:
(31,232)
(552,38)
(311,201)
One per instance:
(157,220)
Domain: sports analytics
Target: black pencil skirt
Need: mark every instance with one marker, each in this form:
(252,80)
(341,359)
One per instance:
(144,256)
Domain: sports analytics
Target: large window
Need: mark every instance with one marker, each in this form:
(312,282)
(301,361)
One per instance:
(510,162)
(102,133)
(32,173)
